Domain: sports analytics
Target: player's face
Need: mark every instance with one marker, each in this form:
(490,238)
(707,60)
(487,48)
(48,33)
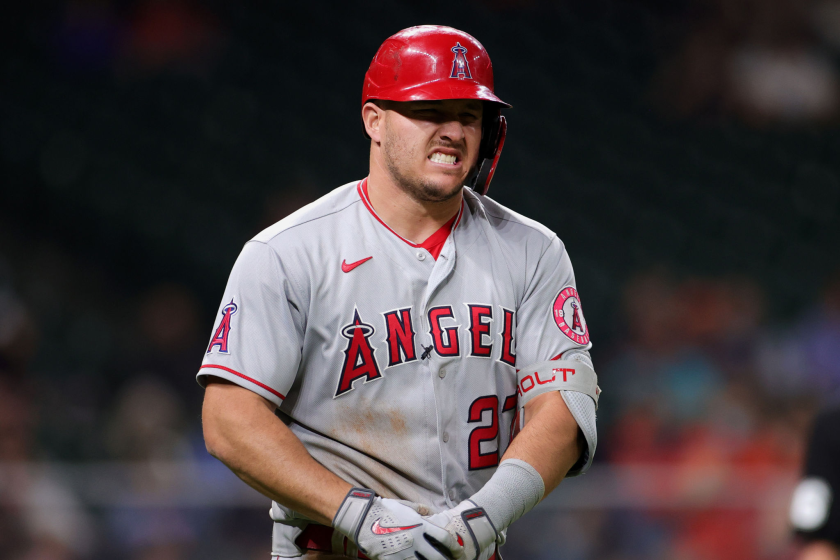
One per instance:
(430,147)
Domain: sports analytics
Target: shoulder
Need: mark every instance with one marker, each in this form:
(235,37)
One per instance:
(311,217)
(508,226)
(503,219)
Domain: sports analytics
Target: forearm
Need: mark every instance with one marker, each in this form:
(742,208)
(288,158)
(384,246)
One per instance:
(534,464)
(242,431)
(550,441)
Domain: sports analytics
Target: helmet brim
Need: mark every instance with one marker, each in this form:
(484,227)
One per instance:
(438,90)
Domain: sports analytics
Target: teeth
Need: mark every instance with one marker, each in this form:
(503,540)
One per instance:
(438,157)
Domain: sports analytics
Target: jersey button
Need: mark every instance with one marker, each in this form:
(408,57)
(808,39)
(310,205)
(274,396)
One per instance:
(452,494)
(421,256)
(442,373)
(445,437)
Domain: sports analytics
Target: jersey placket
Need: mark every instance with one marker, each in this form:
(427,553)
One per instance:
(442,372)
(439,393)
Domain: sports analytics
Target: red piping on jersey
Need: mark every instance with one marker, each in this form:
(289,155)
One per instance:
(245,377)
(433,244)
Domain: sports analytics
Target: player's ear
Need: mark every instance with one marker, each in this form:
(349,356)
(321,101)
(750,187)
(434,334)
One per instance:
(373,117)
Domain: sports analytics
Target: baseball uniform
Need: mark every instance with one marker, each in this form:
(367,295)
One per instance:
(395,362)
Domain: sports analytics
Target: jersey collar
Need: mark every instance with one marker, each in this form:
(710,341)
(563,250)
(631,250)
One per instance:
(434,243)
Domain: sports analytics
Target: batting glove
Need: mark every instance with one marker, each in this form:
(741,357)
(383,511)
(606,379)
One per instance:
(473,527)
(382,527)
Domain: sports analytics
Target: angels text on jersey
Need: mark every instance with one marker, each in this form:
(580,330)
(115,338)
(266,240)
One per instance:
(477,331)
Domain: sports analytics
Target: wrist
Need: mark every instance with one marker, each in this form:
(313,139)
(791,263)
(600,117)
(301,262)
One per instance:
(513,490)
(352,511)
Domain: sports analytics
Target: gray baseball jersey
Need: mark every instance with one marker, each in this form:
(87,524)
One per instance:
(396,366)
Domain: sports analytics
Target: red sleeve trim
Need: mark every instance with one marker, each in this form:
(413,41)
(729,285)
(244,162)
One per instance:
(245,377)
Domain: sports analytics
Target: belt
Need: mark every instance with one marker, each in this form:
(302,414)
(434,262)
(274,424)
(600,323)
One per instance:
(320,538)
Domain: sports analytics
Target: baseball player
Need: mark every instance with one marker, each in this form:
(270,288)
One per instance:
(376,352)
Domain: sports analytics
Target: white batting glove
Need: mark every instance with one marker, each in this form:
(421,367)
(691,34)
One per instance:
(473,527)
(388,529)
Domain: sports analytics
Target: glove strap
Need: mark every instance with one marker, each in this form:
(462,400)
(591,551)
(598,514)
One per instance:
(480,527)
(348,519)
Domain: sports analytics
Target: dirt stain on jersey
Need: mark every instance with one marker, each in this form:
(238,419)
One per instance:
(380,431)
(365,473)
(398,423)
(388,456)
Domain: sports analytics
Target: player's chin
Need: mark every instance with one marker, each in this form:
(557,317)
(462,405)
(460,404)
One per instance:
(428,191)
(444,188)
(447,179)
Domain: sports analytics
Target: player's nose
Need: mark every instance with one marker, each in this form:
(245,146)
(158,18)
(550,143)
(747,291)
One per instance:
(452,130)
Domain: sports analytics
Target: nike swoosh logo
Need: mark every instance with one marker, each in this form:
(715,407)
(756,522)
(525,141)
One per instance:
(378,529)
(348,267)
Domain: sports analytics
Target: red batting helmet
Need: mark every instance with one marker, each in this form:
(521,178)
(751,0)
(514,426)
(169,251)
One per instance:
(433,62)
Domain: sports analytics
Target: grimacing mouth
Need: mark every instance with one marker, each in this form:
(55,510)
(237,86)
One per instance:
(447,155)
(440,157)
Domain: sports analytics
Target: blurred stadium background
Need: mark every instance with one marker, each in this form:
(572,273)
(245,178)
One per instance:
(686,151)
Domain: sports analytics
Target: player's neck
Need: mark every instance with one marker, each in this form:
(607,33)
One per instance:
(412,219)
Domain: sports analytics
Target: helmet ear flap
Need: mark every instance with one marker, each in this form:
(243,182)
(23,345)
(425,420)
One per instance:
(492,141)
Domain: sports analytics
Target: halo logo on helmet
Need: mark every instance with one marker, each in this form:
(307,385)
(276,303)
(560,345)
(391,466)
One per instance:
(411,66)
(460,66)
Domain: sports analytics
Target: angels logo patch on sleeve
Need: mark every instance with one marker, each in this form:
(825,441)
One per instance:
(220,337)
(568,315)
